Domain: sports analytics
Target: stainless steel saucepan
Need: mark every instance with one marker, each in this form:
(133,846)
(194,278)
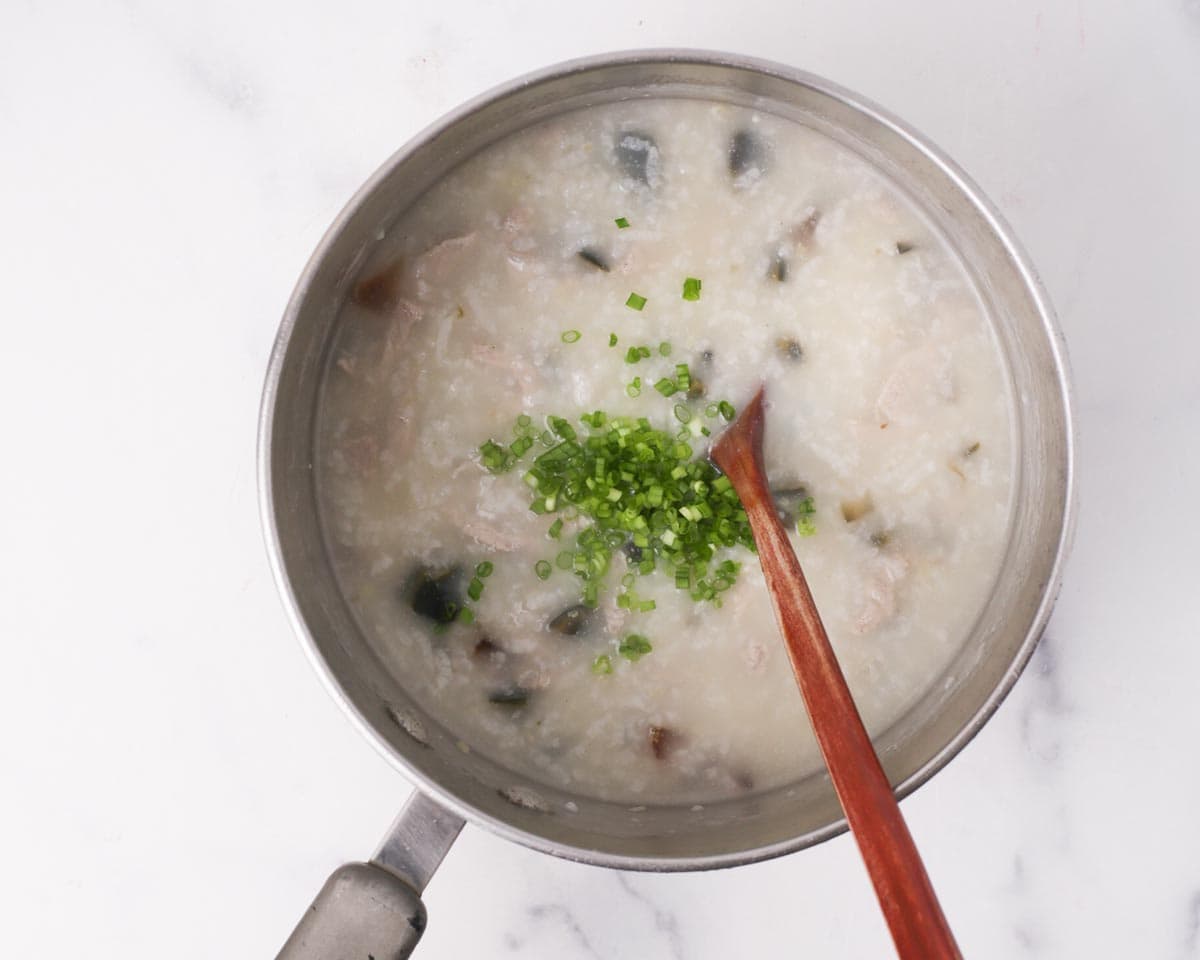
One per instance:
(374,908)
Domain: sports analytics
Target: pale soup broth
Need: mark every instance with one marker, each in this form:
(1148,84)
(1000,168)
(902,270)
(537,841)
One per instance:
(888,440)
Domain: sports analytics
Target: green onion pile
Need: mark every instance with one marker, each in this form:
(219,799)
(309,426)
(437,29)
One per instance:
(643,493)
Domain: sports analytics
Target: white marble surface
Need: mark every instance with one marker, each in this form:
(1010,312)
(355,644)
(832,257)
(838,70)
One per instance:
(177,783)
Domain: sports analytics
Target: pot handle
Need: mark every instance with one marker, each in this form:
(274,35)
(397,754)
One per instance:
(374,909)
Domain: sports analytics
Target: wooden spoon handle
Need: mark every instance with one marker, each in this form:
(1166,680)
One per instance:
(906,896)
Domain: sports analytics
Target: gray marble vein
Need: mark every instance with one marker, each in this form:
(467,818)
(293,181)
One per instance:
(1191,937)
(665,921)
(207,62)
(1045,705)
(553,914)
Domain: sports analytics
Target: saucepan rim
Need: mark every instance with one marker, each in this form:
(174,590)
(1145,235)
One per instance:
(666,57)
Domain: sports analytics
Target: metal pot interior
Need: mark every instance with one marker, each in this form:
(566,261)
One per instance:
(767,823)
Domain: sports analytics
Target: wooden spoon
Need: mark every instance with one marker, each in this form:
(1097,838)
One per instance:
(905,894)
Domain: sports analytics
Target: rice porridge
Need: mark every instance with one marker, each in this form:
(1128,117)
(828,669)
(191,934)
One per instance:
(524,385)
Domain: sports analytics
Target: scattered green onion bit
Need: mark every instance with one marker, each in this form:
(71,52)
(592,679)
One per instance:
(498,459)
(691,289)
(634,389)
(634,646)
(475,588)
(602,665)
(621,223)
(806,510)
(555,528)
(612,339)
(484,570)
(570,336)
(682,413)
(636,301)
(466,615)
(664,349)
(726,409)
(634,354)
(666,387)
(543,570)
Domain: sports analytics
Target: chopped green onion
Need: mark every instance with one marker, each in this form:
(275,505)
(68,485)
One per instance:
(666,387)
(636,301)
(602,665)
(634,389)
(570,336)
(484,569)
(561,427)
(637,486)
(521,446)
(712,410)
(634,646)
(621,223)
(475,588)
(466,615)
(806,510)
(691,289)
(495,457)
(726,409)
(612,339)
(664,349)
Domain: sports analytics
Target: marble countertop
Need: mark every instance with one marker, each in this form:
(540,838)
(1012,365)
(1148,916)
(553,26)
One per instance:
(177,783)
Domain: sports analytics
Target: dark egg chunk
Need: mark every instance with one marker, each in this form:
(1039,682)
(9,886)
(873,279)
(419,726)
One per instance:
(435,594)
(902,247)
(662,739)
(787,500)
(380,291)
(487,649)
(572,621)
(778,270)
(632,551)
(789,348)
(510,696)
(637,156)
(595,258)
(746,152)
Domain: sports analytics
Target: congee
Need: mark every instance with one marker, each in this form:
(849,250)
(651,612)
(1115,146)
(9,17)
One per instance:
(528,372)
